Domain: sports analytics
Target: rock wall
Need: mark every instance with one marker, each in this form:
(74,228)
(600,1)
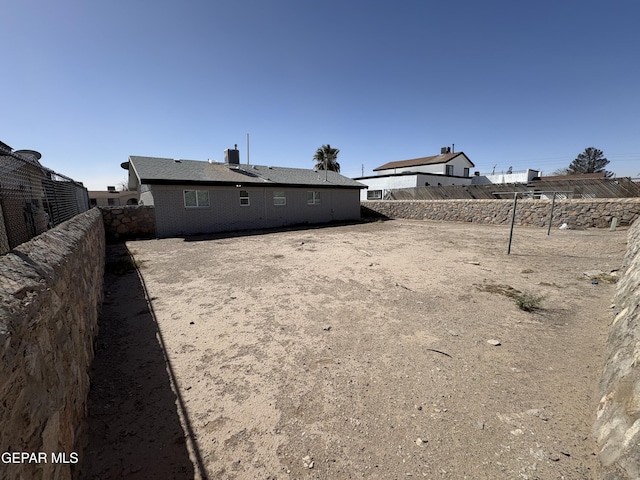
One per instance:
(535,213)
(50,295)
(131,221)
(617,427)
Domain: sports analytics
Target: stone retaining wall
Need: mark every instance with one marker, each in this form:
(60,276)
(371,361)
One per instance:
(535,213)
(50,295)
(617,427)
(131,221)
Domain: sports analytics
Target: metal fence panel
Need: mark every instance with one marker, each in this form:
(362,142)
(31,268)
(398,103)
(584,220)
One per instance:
(34,198)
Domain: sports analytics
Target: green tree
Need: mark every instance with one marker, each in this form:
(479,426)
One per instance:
(326,158)
(591,160)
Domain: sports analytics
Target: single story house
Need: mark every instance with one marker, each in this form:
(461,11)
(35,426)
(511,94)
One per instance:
(112,198)
(192,197)
(444,169)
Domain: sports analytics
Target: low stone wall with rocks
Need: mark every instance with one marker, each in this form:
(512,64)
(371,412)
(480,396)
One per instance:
(617,427)
(534,213)
(131,221)
(50,296)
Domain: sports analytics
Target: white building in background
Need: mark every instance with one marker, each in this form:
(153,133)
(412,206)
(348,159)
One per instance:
(524,176)
(111,198)
(444,169)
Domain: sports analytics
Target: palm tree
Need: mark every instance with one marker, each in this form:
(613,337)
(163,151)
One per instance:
(326,158)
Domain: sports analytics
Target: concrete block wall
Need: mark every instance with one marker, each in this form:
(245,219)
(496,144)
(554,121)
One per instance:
(50,296)
(576,213)
(617,427)
(131,221)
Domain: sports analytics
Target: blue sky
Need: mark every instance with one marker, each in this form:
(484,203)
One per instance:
(520,84)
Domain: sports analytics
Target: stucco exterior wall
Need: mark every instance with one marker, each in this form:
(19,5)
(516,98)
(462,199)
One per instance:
(225,213)
(50,295)
(535,213)
(391,182)
(499,178)
(438,169)
(385,183)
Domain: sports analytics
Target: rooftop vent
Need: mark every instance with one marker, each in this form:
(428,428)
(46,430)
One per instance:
(445,150)
(232,156)
(30,155)
(111,189)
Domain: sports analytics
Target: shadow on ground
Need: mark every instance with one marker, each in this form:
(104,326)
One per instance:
(373,217)
(133,430)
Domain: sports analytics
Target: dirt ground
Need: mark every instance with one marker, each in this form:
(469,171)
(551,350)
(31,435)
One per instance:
(358,351)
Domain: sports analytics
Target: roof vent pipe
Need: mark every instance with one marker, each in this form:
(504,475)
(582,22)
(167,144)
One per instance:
(232,156)
(30,155)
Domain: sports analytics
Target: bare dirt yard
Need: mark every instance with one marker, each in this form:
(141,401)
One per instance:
(378,350)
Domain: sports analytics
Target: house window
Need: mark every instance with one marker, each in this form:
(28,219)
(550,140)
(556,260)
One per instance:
(313,198)
(449,170)
(279,198)
(111,201)
(374,194)
(196,198)
(244,198)
(466,172)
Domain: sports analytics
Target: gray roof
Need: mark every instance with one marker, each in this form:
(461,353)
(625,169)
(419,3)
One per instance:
(152,170)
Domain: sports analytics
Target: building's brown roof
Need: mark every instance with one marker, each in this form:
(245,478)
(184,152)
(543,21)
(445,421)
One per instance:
(434,160)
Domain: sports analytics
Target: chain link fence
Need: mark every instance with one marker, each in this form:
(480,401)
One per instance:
(33,198)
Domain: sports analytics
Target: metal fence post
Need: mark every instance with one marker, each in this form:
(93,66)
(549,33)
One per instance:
(513,219)
(553,204)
